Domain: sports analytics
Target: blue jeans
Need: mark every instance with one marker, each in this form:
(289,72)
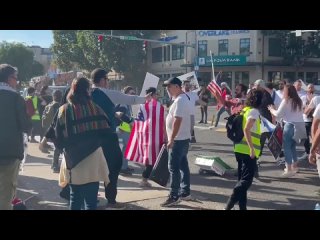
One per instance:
(84,195)
(125,139)
(289,145)
(219,113)
(179,168)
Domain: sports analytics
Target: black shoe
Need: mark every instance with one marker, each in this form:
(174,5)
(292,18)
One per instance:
(170,201)
(126,172)
(205,122)
(56,170)
(201,121)
(193,140)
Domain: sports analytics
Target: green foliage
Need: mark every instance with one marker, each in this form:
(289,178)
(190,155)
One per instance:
(294,49)
(82,48)
(21,57)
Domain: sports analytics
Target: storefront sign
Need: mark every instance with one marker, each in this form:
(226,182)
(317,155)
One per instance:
(214,33)
(221,60)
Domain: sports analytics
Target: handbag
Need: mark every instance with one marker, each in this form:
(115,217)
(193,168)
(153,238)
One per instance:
(275,141)
(160,172)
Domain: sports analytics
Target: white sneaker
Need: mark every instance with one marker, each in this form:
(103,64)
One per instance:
(305,156)
(287,174)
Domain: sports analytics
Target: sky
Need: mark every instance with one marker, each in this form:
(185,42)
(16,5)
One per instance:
(42,38)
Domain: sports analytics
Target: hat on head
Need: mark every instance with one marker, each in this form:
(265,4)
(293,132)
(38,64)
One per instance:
(173,80)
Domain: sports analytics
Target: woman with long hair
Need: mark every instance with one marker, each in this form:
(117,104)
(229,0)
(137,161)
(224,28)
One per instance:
(247,151)
(80,128)
(290,110)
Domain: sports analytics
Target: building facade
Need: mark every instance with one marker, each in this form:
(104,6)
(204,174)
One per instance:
(241,55)
(43,56)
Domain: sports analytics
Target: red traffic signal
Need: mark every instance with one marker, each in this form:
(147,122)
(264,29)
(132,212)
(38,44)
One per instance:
(100,38)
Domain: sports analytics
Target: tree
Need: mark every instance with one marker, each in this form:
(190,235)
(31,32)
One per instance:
(84,49)
(37,69)
(295,48)
(19,56)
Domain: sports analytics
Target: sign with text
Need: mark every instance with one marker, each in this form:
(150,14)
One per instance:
(233,60)
(215,33)
(191,76)
(149,81)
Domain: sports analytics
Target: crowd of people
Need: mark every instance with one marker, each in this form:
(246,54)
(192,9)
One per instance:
(86,122)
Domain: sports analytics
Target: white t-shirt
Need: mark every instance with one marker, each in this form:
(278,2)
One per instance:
(179,108)
(287,114)
(253,114)
(304,104)
(280,94)
(193,98)
(301,93)
(314,102)
(316,113)
(277,99)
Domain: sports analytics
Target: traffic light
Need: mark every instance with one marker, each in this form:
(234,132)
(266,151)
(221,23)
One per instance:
(100,39)
(144,45)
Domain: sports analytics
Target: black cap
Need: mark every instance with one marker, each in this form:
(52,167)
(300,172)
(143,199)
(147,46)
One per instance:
(173,80)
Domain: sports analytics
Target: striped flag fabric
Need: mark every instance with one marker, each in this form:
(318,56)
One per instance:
(213,86)
(147,135)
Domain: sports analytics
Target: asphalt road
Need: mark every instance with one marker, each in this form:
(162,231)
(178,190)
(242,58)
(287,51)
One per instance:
(210,191)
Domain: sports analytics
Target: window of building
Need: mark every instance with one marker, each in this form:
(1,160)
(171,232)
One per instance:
(166,53)
(274,76)
(226,77)
(312,77)
(202,48)
(300,75)
(290,76)
(242,77)
(177,52)
(245,46)
(223,47)
(274,47)
(176,74)
(157,54)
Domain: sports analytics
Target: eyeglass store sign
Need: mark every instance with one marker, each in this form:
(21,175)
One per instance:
(222,60)
(215,33)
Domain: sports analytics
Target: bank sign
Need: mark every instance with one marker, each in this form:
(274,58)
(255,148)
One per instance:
(214,33)
(234,60)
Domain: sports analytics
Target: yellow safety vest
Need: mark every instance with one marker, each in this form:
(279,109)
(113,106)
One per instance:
(243,146)
(125,127)
(36,116)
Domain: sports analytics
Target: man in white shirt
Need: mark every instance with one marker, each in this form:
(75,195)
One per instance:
(178,132)
(306,100)
(282,83)
(194,98)
(298,86)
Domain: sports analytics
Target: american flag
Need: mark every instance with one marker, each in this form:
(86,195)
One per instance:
(213,86)
(147,135)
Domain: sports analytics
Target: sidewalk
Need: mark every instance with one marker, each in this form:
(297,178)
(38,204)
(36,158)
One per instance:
(39,182)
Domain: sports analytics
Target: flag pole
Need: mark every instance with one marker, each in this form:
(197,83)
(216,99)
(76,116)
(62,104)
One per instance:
(213,116)
(212,64)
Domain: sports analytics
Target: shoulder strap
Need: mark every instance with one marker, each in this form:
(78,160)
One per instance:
(187,96)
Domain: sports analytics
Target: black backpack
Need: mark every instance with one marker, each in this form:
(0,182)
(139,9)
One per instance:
(234,127)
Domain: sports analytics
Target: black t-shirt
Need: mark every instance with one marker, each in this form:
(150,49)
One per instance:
(266,101)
